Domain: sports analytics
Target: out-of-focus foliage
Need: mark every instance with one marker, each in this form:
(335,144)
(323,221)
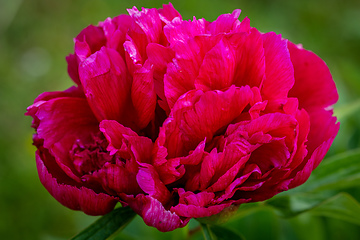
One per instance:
(35,37)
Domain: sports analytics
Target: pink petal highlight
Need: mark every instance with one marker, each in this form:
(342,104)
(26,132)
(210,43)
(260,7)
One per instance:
(154,213)
(149,181)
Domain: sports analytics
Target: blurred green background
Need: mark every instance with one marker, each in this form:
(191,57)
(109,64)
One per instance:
(35,37)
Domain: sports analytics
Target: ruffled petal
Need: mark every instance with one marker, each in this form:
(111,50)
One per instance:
(154,214)
(276,124)
(61,122)
(244,25)
(68,193)
(179,31)
(252,169)
(149,181)
(192,211)
(149,22)
(93,37)
(115,31)
(119,178)
(225,23)
(197,205)
(223,178)
(75,92)
(198,115)
(168,13)
(123,140)
(184,69)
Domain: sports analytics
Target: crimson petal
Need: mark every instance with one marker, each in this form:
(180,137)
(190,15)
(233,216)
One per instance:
(62,121)
(279,70)
(314,86)
(107,85)
(74,197)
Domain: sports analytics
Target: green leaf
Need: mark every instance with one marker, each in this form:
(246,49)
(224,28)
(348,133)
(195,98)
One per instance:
(222,233)
(338,172)
(293,205)
(341,112)
(107,225)
(341,206)
(206,231)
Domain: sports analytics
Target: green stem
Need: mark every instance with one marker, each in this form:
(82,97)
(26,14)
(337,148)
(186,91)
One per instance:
(206,231)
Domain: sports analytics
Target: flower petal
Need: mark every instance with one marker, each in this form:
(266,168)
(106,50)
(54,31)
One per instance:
(276,124)
(198,115)
(323,127)
(192,211)
(61,122)
(149,181)
(119,178)
(73,67)
(279,69)
(123,140)
(149,22)
(184,69)
(143,96)
(115,31)
(218,67)
(314,86)
(168,13)
(250,60)
(154,214)
(224,23)
(197,205)
(159,56)
(72,196)
(107,85)
(303,174)
(179,31)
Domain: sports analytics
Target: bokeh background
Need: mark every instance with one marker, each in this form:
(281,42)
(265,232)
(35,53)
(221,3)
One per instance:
(35,37)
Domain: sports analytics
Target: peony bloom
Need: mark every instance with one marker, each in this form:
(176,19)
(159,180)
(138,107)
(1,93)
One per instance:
(182,119)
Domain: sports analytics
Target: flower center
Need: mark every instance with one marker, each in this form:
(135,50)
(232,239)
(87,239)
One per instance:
(91,156)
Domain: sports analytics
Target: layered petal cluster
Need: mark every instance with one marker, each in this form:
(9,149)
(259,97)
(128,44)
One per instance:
(181,119)
(114,98)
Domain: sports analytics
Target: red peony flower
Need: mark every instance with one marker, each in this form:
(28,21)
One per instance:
(182,119)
